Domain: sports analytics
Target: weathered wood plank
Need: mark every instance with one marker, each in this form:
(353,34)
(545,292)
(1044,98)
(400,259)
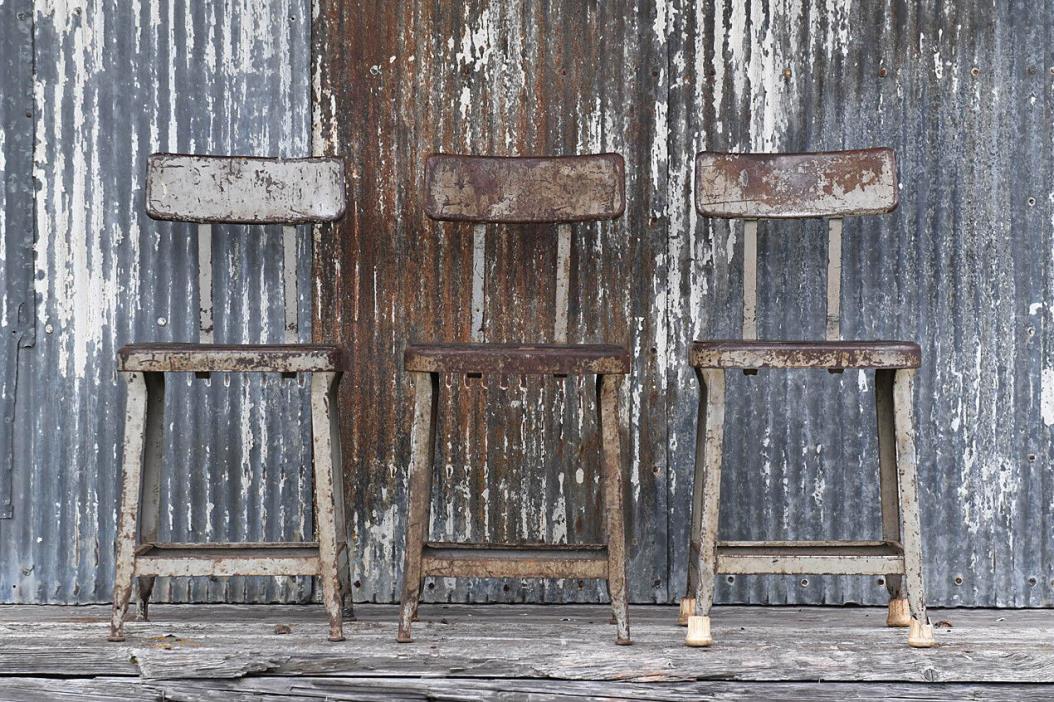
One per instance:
(556,643)
(368,689)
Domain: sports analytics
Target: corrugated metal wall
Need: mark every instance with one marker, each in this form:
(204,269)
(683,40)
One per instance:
(114,81)
(962,90)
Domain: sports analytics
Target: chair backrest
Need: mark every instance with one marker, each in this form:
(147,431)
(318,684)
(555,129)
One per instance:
(830,185)
(245,190)
(503,190)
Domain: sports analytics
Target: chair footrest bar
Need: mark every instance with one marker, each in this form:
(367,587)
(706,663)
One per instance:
(516,560)
(300,558)
(813,557)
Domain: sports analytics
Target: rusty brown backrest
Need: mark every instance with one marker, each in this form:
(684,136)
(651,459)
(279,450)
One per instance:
(244,190)
(558,189)
(832,185)
(795,186)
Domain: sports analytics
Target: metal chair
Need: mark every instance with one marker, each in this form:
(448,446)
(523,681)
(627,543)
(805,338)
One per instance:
(210,190)
(486,190)
(791,186)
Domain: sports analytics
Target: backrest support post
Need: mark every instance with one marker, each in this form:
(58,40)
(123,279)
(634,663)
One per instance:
(750,279)
(290,280)
(479,283)
(563,277)
(834,279)
(205,323)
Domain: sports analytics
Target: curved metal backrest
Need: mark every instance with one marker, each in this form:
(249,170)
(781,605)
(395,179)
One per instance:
(794,186)
(832,184)
(506,190)
(244,190)
(488,189)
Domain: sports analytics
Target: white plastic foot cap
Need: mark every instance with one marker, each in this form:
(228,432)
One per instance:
(899,613)
(698,632)
(687,610)
(920,635)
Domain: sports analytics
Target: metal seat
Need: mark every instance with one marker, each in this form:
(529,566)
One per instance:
(487,190)
(229,358)
(522,359)
(833,355)
(789,186)
(233,190)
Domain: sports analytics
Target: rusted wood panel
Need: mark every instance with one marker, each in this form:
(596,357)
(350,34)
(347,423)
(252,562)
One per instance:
(517,457)
(786,186)
(244,190)
(524,189)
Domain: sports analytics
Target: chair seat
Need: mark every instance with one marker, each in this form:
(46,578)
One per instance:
(218,358)
(805,354)
(519,359)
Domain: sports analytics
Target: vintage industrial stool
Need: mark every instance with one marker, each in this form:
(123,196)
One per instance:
(212,190)
(793,186)
(486,190)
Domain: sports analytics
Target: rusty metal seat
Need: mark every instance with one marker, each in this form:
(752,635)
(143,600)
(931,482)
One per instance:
(521,359)
(833,355)
(229,358)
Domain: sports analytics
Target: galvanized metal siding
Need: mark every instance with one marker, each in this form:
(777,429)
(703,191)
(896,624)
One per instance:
(963,267)
(16,220)
(113,82)
(963,92)
(518,459)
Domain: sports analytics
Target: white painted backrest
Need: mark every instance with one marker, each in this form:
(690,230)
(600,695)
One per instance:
(245,190)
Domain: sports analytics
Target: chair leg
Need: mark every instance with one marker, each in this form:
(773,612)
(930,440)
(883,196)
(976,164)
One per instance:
(343,545)
(611,474)
(150,500)
(920,634)
(135,421)
(688,601)
(423,439)
(326,525)
(897,615)
(708,446)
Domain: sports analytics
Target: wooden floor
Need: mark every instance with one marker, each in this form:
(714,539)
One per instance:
(221,652)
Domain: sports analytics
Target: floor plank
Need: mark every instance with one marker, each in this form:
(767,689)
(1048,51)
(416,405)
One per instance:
(507,644)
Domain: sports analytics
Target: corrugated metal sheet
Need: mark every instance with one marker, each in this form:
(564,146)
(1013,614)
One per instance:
(16,219)
(113,82)
(962,90)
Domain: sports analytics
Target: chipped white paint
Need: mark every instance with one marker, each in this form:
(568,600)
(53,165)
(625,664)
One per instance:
(1046,402)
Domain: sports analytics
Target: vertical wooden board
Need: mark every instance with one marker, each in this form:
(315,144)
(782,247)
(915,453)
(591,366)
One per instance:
(518,458)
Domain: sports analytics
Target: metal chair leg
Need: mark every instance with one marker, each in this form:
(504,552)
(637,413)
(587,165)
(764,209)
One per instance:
(920,634)
(150,499)
(426,390)
(897,615)
(611,468)
(343,544)
(708,447)
(323,400)
(688,601)
(135,421)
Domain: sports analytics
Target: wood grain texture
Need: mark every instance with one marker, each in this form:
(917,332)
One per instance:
(524,643)
(518,457)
